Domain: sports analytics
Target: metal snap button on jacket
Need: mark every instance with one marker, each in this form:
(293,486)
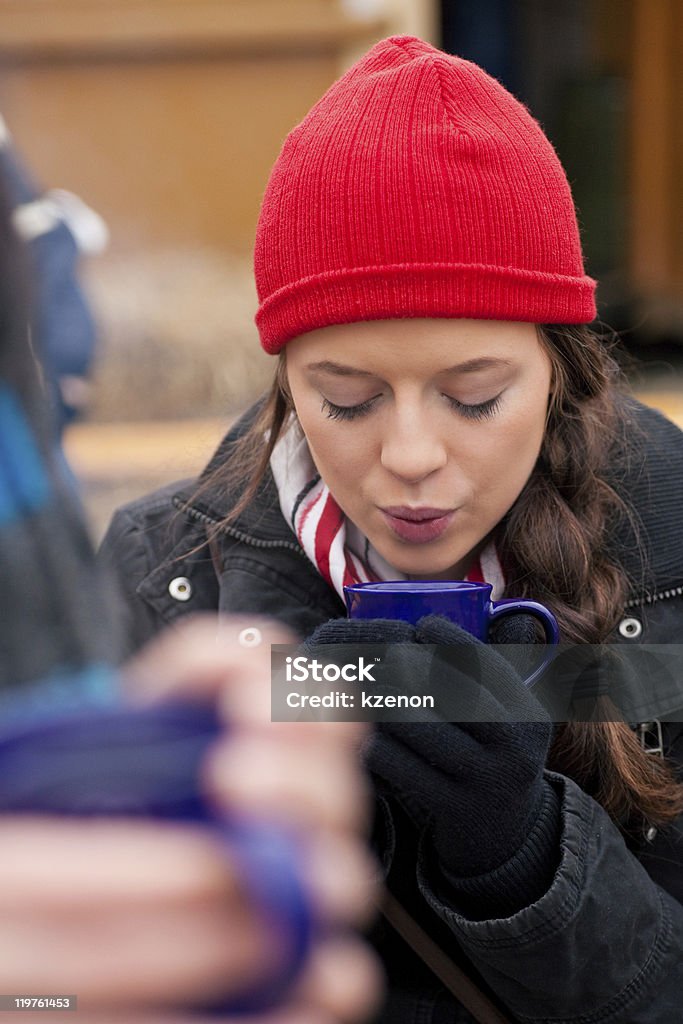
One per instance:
(180,588)
(630,628)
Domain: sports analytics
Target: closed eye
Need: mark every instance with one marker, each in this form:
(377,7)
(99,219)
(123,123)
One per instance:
(479,411)
(346,412)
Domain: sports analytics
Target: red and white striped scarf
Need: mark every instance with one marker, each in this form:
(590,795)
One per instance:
(336,547)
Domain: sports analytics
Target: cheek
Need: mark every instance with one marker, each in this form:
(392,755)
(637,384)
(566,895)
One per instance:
(506,456)
(342,456)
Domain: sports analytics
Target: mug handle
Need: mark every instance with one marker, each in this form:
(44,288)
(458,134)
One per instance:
(514,606)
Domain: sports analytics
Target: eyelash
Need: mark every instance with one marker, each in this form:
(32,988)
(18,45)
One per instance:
(484,410)
(345,412)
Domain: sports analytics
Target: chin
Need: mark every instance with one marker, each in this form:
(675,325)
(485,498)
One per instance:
(437,574)
(426,570)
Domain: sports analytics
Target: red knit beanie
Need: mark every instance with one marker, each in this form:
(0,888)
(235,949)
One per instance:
(417,187)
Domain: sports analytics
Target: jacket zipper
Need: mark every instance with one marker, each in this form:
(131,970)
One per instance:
(206,520)
(662,596)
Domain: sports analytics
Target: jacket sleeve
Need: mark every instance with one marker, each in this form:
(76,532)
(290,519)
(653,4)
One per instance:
(123,554)
(603,944)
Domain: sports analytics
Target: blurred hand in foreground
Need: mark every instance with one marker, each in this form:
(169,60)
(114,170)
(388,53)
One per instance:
(138,918)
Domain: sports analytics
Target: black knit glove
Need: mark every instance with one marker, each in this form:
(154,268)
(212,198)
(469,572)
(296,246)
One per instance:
(476,789)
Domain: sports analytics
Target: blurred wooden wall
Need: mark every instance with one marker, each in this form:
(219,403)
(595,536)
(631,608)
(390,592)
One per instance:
(656,249)
(641,41)
(166,115)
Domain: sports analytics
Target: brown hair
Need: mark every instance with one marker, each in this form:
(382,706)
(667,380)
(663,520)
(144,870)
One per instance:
(554,545)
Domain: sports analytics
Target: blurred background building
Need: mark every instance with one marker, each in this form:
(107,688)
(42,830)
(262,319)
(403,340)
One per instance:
(165,116)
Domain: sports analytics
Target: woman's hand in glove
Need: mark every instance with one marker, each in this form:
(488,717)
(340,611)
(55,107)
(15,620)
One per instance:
(476,788)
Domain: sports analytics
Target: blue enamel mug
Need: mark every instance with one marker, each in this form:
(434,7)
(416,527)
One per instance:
(465,603)
(119,761)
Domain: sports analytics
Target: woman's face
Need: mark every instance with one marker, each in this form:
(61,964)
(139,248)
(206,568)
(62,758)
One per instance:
(425,431)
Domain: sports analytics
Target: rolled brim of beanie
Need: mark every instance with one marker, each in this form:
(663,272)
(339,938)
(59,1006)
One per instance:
(399,292)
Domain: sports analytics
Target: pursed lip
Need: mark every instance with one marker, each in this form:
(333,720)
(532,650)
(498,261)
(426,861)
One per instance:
(417,525)
(415,515)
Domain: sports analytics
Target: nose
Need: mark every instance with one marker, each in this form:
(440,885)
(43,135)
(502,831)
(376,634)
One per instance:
(412,448)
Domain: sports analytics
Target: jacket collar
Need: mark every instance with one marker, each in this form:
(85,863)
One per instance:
(647,474)
(211,498)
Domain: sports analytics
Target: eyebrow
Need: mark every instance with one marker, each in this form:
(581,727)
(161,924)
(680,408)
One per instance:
(469,366)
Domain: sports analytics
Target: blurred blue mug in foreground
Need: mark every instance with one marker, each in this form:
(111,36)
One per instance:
(465,603)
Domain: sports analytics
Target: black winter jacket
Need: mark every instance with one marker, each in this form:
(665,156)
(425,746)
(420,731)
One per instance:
(605,942)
